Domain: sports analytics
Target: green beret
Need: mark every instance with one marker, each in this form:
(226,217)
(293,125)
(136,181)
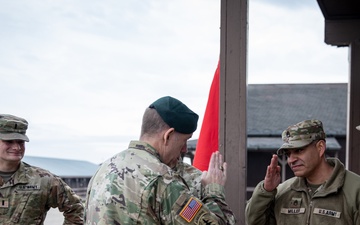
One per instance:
(176,114)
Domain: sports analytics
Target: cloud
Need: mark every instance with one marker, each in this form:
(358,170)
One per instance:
(83,72)
(286,45)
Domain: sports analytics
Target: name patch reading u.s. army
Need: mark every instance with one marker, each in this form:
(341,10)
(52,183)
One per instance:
(28,187)
(190,209)
(327,212)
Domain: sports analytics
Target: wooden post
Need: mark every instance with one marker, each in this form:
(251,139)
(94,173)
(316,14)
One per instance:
(233,94)
(347,33)
(353,111)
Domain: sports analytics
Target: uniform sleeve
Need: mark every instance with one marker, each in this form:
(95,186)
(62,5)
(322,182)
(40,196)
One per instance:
(215,193)
(61,196)
(259,209)
(179,206)
(210,194)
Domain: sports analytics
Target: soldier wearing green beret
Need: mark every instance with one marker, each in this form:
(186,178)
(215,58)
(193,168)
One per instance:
(148,184)
(28,192)
(322,191)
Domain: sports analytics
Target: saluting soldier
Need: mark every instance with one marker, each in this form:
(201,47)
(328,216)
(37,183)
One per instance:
(322,191)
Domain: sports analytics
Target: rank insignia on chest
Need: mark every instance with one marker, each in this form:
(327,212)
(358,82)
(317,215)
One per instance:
(190,209)
(295,203)
(4,203)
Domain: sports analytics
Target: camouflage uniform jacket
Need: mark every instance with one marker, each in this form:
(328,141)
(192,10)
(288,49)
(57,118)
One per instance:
(336,202)
(30,192)
(135,187)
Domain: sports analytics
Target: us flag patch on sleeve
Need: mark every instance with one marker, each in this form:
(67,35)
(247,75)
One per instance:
(190,209)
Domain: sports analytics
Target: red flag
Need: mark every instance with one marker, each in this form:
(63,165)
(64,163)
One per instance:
(208,141)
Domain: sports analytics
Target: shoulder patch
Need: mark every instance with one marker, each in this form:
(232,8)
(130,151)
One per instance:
(191,208)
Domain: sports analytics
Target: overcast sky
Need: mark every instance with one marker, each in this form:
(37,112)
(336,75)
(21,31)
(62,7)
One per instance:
(83,72)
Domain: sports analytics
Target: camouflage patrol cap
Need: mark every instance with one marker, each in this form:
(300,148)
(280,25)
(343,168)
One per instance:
(176,114)
(13,128)
(301,135)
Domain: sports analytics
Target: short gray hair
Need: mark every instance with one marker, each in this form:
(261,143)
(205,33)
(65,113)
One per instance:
(152,123)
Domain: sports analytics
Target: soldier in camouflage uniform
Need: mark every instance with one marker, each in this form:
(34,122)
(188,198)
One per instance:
(28,192)
(322,191)
(146,183)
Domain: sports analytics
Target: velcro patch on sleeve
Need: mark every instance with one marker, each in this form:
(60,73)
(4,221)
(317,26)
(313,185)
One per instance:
(190,209)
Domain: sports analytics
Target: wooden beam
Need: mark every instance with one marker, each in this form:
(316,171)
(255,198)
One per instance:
(341,32)
(353,117)
(233,94)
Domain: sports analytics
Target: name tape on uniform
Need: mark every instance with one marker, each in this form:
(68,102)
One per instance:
(327,212)
(292,210)
(28,187)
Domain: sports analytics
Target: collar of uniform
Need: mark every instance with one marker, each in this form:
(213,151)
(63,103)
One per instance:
(144,146)
(20,176)
(337,177)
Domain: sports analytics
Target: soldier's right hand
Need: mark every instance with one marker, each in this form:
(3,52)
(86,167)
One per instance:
(216,172)
(272,177)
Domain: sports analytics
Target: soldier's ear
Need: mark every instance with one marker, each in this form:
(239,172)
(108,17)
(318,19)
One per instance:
(167,134)
(321,147)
